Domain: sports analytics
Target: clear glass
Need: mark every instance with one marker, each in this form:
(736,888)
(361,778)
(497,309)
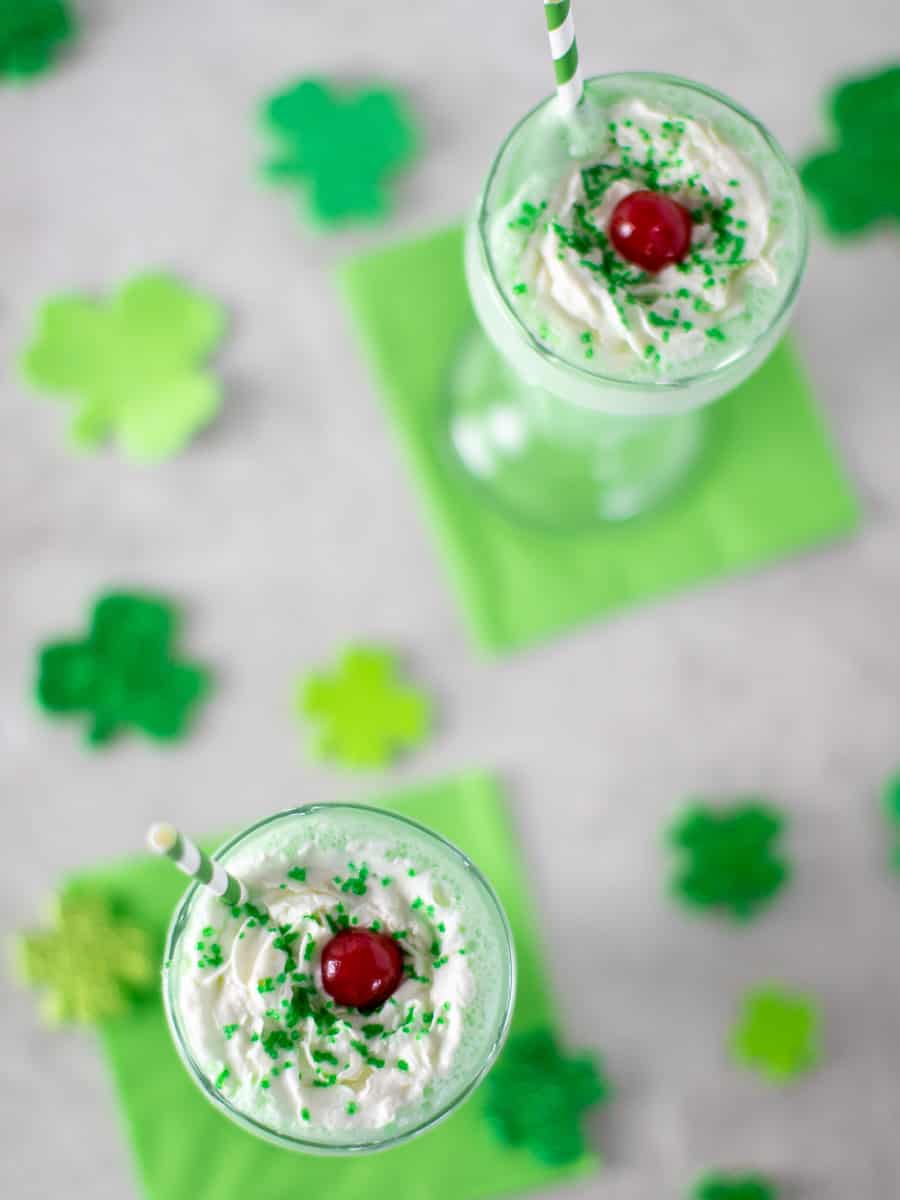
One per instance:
(359,820)
(554,442)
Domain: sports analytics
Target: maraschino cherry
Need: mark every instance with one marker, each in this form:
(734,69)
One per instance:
(651,230)
(361,969)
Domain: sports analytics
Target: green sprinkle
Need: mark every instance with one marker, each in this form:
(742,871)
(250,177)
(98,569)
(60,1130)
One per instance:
(320,1056)
(386,881)
(328,1081)
(411,872)
(400,934)
(716,334)
(298,873)
(587,337)
(264,1083)
(372,1030)
(439,962)
(208,931)
(402,1064)
(520,288)
(309,950)
(229,1031)
(351,1109)
(222,1076)
(304,1114)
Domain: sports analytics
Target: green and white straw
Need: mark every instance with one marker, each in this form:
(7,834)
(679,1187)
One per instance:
(166,840)
(564,48)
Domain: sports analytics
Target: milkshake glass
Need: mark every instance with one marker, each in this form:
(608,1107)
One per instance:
(582,398)
(249,1006)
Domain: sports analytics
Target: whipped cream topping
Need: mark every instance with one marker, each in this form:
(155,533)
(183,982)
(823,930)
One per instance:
(570,280)
(258,1021)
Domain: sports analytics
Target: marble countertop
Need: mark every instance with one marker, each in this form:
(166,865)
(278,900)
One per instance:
(290,527)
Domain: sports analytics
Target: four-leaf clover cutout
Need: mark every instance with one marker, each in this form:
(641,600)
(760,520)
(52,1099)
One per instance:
(132,366)
(30,33)
(729,858)
(123,673)
(777,1034)
(363,715)
(856,181)
(341,148)
(90,963)
(536,1097)
(734,1187)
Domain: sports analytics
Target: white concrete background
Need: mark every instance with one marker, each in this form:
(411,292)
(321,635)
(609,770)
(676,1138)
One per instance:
(291,527)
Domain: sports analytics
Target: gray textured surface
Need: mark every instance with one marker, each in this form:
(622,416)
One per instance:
(290,527)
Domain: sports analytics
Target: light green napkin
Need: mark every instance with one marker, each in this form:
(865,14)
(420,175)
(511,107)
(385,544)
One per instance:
(772,487)
(186,1150)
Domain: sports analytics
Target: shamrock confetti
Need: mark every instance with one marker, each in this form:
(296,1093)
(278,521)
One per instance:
(892,811)
(364,715)
(131,366)
(90,963)
(731,860)
(856,182)
(734,1187)
(777,1034)
(30,33)
(342,149)
(123,672)
(535,1097)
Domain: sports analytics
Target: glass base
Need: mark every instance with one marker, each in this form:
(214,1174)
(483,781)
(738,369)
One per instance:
(554,464)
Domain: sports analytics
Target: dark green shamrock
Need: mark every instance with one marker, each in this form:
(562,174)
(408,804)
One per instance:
(856,183)
(342,148)
(30,32)
(730,857)
(89,963)
(892,812)
(123,672)
(535,1097)
(734,1187)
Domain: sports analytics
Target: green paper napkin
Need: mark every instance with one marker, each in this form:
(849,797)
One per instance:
(770,487)
(186,1150)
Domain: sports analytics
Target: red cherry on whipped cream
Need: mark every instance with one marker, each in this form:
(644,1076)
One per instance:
(651,230)
(360,969)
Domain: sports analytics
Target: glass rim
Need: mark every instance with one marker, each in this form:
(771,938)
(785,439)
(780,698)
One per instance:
(310,1145)
(636,385)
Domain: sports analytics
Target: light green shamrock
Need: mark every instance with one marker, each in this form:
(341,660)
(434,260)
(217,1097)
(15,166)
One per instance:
(132,365)
(90,963)
(364,716)
(777,1034)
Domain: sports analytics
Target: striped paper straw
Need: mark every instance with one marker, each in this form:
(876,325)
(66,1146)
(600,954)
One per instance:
(564,48)
(165,839)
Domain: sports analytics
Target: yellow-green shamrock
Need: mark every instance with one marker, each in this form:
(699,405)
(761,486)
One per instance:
(856,181)
(536,1096)
(123,673)
(363,715)
(89,964)
(30,33)
(777,1034)
(343,149)
(132,367)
